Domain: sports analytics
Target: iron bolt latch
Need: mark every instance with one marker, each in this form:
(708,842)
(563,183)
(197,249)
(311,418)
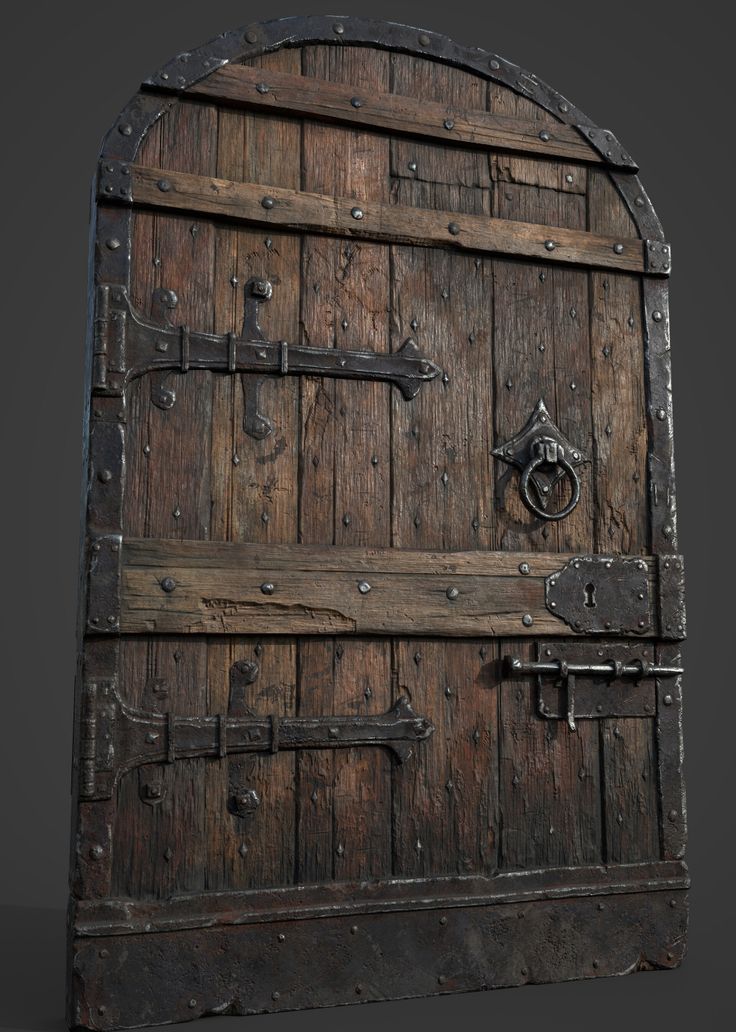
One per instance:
(565,674)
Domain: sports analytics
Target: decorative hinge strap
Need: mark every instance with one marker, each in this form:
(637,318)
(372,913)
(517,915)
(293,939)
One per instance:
(134,738)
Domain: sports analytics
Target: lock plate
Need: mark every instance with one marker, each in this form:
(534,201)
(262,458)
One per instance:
(602,594)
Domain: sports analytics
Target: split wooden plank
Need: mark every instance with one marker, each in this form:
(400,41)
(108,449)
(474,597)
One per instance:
(456,120)
(365,218)
(344,824)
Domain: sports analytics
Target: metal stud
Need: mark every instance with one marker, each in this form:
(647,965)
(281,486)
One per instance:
(412,166)
(357,213)
(524,569)
(448,124)
(527,619)
(661,414)
(338,28)
(444,478)
(267,588)
(347,519)
(164,185)
(364,587)
(657,316)
(125,129)
(251,36)
(267,202)
(356,102)
(423,39)
(168,584)
(494,64)
(618,248)
(112,244)
(452,594)
(176,513)
(549,244)
(374,460)
(563,107)
(454,228)
(262,87)
(568,178)
(544,136)
(667,700)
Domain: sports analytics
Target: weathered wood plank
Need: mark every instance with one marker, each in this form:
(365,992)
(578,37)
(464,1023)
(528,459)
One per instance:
(323,213)
(159,847)
(344,797)
(253,500)
(541,350)
(318,98)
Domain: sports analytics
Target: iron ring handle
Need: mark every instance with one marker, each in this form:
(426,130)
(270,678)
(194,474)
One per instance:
(534,463)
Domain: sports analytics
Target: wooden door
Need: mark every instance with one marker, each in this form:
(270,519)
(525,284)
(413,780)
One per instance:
(381,596)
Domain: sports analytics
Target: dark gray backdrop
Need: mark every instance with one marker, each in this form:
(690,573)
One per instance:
(657,75)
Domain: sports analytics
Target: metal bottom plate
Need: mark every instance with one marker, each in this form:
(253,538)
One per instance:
(132,980)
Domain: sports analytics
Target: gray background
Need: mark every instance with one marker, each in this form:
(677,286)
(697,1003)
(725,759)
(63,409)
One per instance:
(656,75)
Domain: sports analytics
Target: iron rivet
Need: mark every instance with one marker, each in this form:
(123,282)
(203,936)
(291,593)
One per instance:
(364,587)
(549,244)
(281,937)
(452,593)
(339,28)
(168,584)
(563,107)
(443,920)
(267,202)
(599,708)
(595,963)
(601,906)
(112,244)
(568,178)
(251,36)
(109,188)
(423,39)
(441,979)
(640,596)
(412,166)
(673,903)
(347,519)
(576,455)
(125,129)
(112,620)
(275,995)
(527,619)
(524,972)
(618,248)
(642,623)
(267,588)
(494,64)
(544,136)
(102,1009)
(164,185)
(672,815)
(657,316)
(356,102)
(661,414)
(164,76)
(353,929)
(95,620)
(573,386)
(524,568)
(670,956)
(103,954)
(359,989)
(667,700)
(262,87)
(448,124)
(96,852)
(374,460)
(104,476)
(454,228)
(553,605)
(357,213)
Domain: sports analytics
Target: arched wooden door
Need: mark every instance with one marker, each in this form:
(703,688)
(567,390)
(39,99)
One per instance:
(381,603)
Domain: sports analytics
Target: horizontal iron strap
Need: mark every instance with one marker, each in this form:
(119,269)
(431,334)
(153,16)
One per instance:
(286,94)
(301,211)
(255,906)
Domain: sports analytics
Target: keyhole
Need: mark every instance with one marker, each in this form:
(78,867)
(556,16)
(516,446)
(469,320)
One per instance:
(590,595)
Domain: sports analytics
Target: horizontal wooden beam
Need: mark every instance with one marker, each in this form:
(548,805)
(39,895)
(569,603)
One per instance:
(278,92)
(298,210)
(200,587)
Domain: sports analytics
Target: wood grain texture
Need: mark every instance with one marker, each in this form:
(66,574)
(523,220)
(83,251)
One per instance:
(344,797)
(333,214)
(319,98)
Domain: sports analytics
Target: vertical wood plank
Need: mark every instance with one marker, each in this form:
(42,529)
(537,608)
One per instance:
(344,795)
(620,436)
(253,497)
(445,806)
(549,778)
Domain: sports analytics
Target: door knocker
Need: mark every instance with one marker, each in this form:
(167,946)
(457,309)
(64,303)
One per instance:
(544,455)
